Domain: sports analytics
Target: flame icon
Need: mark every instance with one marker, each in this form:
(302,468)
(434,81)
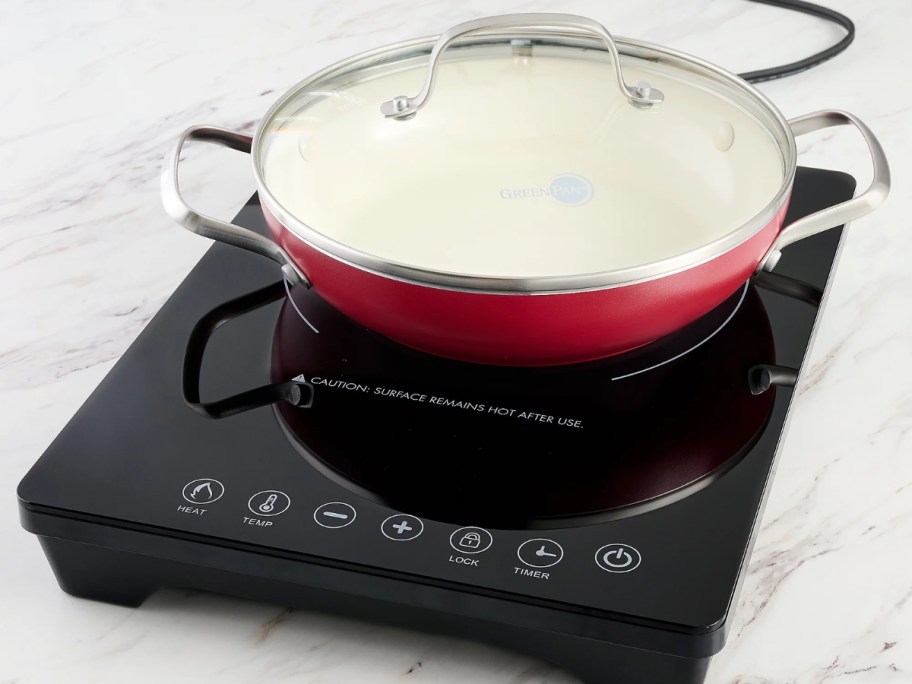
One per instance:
(204,490)
(201,487)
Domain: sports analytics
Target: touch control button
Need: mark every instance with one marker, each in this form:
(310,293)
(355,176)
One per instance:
(402,527)
(471,540)
(618,558)
(203,491)
(540,553)
(335,514)
(269,502)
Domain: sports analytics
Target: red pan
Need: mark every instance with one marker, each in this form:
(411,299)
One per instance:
(528,206)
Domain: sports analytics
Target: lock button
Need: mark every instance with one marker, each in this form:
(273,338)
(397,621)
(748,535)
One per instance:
(471,540)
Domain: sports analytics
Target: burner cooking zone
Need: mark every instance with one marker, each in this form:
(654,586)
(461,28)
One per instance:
(534,447)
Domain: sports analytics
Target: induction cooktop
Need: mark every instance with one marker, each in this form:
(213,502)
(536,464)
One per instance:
(254,441)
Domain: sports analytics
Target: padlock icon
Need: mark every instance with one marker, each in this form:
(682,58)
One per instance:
(470,540)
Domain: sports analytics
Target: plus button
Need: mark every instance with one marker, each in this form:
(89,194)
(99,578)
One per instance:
(402,527)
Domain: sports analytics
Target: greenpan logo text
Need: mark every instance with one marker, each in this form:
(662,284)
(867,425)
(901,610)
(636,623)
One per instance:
(568,188)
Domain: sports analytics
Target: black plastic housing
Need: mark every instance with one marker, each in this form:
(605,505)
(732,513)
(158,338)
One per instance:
(106,498)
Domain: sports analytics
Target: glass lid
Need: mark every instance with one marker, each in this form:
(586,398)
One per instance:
(536,151)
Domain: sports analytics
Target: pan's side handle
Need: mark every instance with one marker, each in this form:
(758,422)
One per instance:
(844,212)
(295,392)
(790,287)
(209,227)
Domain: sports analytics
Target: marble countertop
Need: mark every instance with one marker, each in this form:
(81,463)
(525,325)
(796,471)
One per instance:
(94,92)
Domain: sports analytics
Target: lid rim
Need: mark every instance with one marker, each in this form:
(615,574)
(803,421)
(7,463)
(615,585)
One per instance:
(552,284)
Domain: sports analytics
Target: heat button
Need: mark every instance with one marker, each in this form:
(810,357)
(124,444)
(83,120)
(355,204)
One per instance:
(203,491)
(618,558)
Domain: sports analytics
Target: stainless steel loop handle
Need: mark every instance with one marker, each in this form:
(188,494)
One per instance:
(842,213)
(210,227)
(403,107)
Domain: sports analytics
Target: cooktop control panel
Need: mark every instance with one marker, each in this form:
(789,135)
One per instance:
(469,546)
(620,565)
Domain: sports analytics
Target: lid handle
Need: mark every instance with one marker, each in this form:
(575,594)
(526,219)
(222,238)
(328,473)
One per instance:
(403,107)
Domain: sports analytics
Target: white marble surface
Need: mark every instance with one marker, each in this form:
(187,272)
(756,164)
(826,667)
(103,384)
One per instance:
(92,93)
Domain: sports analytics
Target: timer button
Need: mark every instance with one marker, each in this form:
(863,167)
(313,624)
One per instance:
(540,553)
(618,558)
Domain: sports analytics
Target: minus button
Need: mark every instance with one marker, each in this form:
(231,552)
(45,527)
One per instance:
(334,515)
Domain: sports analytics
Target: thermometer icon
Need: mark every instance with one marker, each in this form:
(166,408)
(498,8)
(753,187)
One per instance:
(269,505)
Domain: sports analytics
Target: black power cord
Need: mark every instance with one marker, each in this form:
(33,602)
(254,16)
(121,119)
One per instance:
(815,59)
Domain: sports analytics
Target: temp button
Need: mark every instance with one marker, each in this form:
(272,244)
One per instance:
(268,503)
(618,558)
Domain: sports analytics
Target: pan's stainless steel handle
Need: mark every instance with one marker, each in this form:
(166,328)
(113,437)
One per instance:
(844,212)
(295,392)
(210,227)
(403,107)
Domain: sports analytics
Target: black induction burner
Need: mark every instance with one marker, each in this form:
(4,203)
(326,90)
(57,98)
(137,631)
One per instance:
(598,515)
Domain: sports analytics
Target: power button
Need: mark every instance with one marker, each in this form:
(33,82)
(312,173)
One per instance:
(618,558)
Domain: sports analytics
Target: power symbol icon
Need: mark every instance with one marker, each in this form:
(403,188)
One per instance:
(618,558)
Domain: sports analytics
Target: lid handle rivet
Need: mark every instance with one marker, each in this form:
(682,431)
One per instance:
(399,108)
